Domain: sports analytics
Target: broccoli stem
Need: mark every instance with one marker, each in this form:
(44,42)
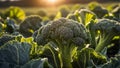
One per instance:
(104,42)
(65,54)
(92,34)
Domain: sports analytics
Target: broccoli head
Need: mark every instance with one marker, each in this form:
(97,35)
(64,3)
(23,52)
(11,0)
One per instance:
(100,11)
(29,25)
(66,34)
(108,29)
(62,30)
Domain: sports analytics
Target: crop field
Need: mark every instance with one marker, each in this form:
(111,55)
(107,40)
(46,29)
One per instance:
(66,36)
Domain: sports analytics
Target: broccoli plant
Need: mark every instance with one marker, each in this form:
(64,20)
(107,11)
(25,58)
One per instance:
(29,25)
(66,34)
(107,29)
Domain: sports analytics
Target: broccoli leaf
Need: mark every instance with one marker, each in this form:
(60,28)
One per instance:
(15,53)
(113,63)
(15,13)
(37,63)
(86,16)
(48,51)
(84,58)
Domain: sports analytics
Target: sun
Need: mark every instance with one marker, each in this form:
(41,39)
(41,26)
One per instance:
(52,1)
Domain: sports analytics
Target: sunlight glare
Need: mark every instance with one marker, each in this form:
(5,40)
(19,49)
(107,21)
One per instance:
(52,1)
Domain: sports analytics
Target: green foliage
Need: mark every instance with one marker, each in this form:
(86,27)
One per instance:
(116,12)
(114,47)
(15,13)
(15,54)
(111,7)
(37,63)
(86,16)
(83,16)
(85,58)
(114,62)
(52,54)
(6,38)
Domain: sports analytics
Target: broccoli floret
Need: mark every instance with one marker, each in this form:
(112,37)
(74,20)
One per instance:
(66,34)
(29,25)
(108,29)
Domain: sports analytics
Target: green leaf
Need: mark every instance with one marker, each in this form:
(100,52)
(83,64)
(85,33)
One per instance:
(52,55)
(84,57)
(113,63)
(86,16)
(58,15)
(48,51)
(15,13)
(15,53)
(37,63)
